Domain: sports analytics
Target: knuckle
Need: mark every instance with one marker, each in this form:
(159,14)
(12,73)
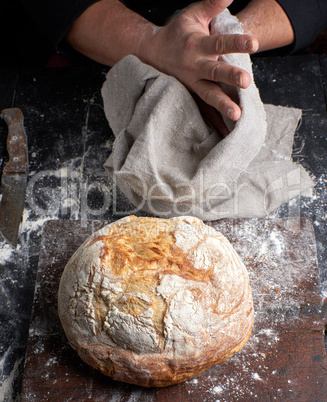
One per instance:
(211,3)
(214,72)
(220,44)
(189,43)
(206,95)
(214,99)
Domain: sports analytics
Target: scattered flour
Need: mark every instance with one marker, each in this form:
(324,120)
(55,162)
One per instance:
(256,376)
(51,361)
(217,389)
(6,382)
(268,252)
(6,252)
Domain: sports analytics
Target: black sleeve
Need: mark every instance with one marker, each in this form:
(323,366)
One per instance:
(308,18)
(54,18)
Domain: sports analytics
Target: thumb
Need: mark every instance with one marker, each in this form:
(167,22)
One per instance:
(211,8)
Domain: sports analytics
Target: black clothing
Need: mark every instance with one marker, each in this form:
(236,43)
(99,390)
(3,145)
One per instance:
(38,27)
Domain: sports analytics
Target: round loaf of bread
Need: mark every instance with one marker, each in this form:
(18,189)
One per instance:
(155,302)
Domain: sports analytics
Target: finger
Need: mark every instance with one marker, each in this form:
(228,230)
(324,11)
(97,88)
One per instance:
(214,7)
(214,117)
(219,71)
(225,44)
(216,120)
(210,8)
(214,96)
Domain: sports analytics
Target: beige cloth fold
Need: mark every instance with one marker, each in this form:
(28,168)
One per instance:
(168,161)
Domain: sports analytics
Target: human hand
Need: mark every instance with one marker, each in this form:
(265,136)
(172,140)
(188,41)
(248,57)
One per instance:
(211,115)
(185,49)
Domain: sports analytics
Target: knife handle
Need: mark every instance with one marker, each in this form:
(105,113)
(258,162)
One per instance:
(16,141)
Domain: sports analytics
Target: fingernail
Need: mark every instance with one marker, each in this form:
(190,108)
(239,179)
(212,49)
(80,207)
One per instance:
(230,113)
(249,45)
(239,80)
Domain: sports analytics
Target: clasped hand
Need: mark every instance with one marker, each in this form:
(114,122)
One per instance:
(185,49)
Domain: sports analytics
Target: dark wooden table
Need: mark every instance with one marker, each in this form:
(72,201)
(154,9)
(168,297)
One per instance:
(69,140)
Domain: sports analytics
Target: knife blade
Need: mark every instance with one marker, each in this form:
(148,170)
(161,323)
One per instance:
(14,176)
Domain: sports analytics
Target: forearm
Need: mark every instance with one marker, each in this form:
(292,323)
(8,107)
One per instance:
(267,21)
(107,31)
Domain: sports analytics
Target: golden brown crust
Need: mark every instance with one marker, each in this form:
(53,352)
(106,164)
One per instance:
(155,302)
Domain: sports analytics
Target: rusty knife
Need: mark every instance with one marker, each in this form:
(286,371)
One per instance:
(14,176)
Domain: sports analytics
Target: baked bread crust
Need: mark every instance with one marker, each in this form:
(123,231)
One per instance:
(155,302)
